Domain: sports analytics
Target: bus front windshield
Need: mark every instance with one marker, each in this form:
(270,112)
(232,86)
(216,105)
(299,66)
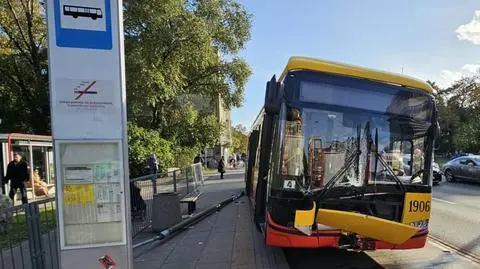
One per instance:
(321,142)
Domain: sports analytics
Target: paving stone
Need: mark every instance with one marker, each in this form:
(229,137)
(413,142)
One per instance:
(227,239)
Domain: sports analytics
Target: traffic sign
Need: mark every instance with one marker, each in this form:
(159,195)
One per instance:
(88,112)
(83,24)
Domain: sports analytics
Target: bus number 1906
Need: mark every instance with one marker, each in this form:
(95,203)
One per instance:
(419,206)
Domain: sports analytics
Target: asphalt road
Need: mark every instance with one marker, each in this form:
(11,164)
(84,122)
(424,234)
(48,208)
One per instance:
(456,215)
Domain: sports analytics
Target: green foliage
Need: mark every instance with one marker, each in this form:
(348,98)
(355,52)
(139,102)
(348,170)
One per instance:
(184,156)
(467,137)
(143,142)
(458,109)
(175,48)
(239,139)
(190,128)
(23,65)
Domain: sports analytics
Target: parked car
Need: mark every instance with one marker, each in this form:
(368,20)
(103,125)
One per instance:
(437,173)
(464,167)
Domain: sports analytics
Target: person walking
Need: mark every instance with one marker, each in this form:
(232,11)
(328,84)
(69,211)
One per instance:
(197,159)
(221,167)
(153,164)
(17,174)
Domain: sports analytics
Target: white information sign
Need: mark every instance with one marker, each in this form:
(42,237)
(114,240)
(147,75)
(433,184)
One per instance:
(107,193)
(89,97)
(108,212)
(88,112)
(78,174)
(92,191)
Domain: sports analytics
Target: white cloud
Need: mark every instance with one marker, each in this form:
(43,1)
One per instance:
(447,77)
(471,68)
(471,30)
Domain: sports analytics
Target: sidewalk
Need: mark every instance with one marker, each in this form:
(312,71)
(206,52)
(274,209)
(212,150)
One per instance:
(227,239)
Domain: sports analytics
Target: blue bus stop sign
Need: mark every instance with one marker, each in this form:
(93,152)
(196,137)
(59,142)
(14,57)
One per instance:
(83,24)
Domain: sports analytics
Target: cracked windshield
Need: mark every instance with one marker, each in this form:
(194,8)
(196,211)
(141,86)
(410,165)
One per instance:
(356,146)
(228,134)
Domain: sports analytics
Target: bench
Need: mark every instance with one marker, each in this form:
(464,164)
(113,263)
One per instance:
(191,200)
(29,191)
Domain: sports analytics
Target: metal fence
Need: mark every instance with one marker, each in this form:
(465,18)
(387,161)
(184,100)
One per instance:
(182,181)
(28,236)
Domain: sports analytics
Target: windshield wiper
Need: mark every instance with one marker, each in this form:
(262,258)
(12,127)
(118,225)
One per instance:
(352,158)
(378,157)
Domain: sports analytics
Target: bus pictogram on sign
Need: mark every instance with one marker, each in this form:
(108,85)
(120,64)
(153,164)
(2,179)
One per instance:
(81,11)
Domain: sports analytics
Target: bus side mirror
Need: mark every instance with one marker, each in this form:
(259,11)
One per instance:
(272,96)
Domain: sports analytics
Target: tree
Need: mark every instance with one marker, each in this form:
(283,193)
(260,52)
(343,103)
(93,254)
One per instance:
(458,109)
(190,128)
(175,48)
(23,65)
(143,142)
(239,139)
(467,136)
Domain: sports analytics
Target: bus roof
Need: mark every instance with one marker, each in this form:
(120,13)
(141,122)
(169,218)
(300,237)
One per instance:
(304,63)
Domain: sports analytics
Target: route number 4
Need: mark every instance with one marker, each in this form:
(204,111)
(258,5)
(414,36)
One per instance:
(289,184)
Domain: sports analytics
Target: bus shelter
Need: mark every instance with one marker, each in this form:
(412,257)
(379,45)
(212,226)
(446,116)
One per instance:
(37,150)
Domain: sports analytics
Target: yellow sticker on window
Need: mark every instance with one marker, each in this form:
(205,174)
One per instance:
(78,194)
(416,207)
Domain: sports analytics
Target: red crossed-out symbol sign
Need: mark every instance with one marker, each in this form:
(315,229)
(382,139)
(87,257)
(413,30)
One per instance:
(85,90)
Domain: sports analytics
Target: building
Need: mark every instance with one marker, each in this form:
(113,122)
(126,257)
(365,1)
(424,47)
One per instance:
(215,105)
(37,150)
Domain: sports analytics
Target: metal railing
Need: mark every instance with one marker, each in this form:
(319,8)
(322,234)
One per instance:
(142,189)
(28,233)
(28,236)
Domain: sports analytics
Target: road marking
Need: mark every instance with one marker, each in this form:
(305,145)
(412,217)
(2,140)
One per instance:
(457,250)
(444,201)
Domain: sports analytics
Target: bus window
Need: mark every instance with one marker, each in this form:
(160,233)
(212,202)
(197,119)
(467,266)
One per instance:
(292,161)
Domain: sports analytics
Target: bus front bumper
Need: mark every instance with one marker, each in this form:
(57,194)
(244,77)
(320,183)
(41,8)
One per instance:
(281,236)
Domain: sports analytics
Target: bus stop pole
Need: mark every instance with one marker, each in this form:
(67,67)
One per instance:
(32,182)
(88,105)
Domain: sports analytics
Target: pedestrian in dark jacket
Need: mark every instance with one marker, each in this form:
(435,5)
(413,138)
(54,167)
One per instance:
(197,159)
(17,174)
(152,164)
(221,167)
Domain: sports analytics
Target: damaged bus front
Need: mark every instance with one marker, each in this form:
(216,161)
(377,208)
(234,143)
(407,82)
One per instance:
(328,167)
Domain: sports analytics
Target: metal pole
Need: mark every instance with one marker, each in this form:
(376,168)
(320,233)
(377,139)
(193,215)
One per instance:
(154,182)
(174,180)
(35,236)
(179,227)
(186,178)
(31,235)
(39,237)
(30,149)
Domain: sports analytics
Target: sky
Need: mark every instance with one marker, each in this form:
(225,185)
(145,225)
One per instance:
(436,40)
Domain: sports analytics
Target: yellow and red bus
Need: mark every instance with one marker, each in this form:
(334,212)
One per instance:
(326,158)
